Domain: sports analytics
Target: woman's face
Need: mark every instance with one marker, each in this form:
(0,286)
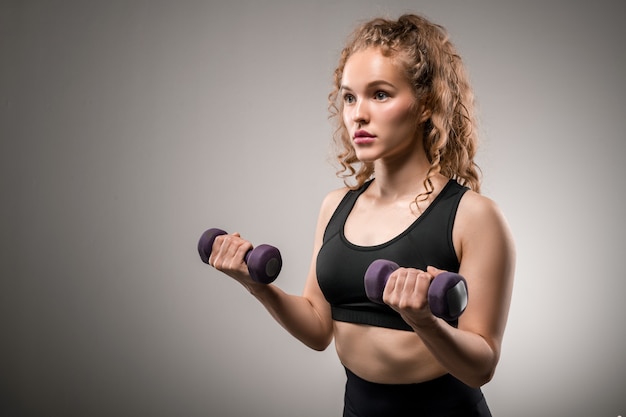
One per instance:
(378,106)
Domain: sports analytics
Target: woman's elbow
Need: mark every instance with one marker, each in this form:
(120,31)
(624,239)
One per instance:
(318,347)
(320,339)
(484,375)
(479,380)
(319,344)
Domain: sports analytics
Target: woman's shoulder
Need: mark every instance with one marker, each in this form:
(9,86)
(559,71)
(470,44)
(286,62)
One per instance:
(474,205)
(329,205)
(333,199)
(479,216)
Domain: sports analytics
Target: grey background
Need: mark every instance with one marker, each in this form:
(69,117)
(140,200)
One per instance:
(128,128)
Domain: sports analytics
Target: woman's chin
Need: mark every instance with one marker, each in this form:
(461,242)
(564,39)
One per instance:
(367,157)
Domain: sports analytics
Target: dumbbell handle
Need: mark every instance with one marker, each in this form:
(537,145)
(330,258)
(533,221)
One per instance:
(447,294)
(264,261)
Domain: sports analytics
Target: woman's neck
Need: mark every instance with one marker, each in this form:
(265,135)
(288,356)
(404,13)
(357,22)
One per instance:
(401,177)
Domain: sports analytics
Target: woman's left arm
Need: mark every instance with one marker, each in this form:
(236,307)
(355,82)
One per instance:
(486,251)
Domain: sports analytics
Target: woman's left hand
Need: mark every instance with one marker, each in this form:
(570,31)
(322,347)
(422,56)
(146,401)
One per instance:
(406,292)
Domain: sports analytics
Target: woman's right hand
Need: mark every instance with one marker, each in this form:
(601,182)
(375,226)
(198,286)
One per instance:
(228,256)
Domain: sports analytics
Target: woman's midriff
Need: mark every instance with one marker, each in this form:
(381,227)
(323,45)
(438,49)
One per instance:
(384,355)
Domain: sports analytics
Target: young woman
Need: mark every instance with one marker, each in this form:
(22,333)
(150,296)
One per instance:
(407,134)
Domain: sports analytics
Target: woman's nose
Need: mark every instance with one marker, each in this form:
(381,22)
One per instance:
(361,112)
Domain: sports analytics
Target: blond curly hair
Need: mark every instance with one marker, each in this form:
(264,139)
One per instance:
(440,83)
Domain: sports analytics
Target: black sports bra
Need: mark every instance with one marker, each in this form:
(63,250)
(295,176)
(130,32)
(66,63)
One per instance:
(341,265)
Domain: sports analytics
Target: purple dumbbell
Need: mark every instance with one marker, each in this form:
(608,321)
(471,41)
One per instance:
(264,261)
(447,294)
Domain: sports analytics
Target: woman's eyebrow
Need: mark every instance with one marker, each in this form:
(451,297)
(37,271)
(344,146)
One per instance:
(371,84)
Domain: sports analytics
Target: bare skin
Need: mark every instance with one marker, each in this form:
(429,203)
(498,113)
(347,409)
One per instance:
(378,100)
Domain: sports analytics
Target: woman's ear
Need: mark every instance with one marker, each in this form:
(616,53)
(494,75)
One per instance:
(425,114)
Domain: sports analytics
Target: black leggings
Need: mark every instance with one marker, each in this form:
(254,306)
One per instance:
(442,397)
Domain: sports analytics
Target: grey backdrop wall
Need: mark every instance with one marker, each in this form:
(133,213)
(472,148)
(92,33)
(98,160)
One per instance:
(127,128)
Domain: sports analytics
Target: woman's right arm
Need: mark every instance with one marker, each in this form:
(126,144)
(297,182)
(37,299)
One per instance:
(306,317)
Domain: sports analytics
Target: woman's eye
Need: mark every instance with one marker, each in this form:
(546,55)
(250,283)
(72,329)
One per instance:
(348,98)
(381,95)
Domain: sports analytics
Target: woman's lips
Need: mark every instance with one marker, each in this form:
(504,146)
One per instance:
(363,137)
